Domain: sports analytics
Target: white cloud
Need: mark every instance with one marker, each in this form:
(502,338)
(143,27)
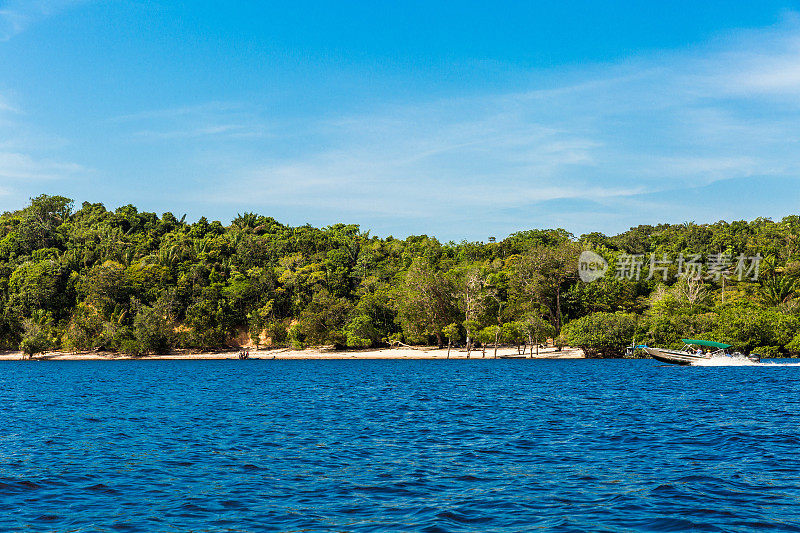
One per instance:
(18,15)
(214,120)
(23,167)
(608,138)
(29,158)
(675,121)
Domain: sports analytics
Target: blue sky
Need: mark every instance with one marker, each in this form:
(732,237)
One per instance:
(461,120)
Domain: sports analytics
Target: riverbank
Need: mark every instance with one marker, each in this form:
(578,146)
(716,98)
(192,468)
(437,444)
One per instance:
(310,353)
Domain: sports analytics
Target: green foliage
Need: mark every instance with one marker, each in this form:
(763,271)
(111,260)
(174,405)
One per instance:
(361,332)
(471,327)
(513,333)
(41,220)
(794,346)
(488,334)
(424,301)
(135,282)
(295,337)
(154,329)
(38,336)
(536,329)
(751,328)
(452,332)
(85,330)
(39,286)
(601,334)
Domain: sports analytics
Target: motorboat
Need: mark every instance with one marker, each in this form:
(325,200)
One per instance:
(696,350)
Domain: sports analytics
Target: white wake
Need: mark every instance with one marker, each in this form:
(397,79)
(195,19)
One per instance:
(737,361)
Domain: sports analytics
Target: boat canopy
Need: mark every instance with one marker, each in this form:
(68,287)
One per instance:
(711,344)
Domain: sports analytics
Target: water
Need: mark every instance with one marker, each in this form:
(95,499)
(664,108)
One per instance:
(481,445)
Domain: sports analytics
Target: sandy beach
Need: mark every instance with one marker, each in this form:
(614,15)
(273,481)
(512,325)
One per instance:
(310,353)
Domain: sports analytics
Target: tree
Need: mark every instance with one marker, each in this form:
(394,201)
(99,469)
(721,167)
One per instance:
(452,332)
(41,219)
(101,276)
(779,283)
(154,329)
(38,334)
(360,332)
(601,334)
(753,329)
(470,290)
(324,320)
(84,330)
(537,329)
(512,332)
(543,273)
(424,301)
(487,335)
(471,327)
(40,286)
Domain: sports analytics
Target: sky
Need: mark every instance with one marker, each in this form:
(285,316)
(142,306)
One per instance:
(460,120)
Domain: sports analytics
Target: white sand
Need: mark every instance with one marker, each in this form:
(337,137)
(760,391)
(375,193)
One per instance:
(311,353)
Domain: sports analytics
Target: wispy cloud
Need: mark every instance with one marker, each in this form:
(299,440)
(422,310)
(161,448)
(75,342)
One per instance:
(17,15)
(28,159)
(214,119)
(23,167)
(5,106)
(609,138)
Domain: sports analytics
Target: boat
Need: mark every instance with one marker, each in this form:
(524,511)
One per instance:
(693,351)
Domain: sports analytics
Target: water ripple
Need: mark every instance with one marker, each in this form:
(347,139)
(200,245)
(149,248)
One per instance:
(398,445)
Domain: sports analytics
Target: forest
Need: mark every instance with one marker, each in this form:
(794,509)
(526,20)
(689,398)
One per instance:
(88,278)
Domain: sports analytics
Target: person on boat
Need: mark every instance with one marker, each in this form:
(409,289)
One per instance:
(699,352)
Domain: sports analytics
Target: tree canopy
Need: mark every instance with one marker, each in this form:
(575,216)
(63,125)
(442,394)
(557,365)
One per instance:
(135,282)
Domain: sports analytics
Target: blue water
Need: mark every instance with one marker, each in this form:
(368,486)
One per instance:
(481,445)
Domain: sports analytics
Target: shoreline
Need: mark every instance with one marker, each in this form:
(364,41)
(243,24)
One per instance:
(306,354)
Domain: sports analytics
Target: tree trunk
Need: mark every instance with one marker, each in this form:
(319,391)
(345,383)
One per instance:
(449,343)
(469,346)
(439,342)
(496,337)
(558,308)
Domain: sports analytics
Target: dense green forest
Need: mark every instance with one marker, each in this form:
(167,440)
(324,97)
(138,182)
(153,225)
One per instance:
(137,283)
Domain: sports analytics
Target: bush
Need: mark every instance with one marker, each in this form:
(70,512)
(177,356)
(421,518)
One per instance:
(38,335)
(361,333)
(794,346)
(84,331)
(295,337)
(131,347)
(601,334)
(767,351)
(153,330)
(750,328)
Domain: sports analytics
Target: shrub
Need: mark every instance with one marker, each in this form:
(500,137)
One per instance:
(601,334)
(749,328)
(361,333)
(38,335)
(153,330)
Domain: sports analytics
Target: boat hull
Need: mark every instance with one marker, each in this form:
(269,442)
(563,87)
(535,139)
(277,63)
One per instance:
(675,357)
